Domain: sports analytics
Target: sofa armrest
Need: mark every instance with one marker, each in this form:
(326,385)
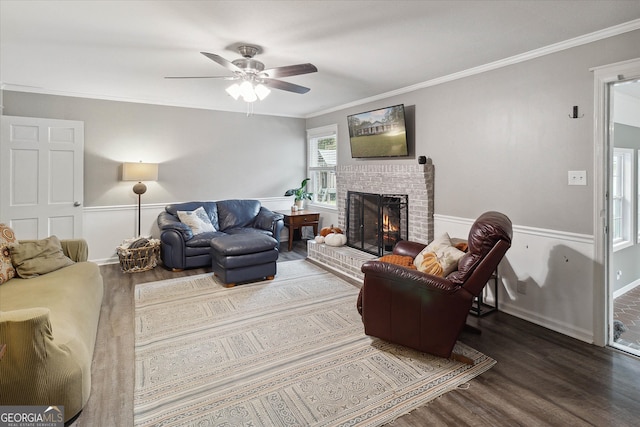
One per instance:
(269,220)
(388,273)
(166,221)
(34,369)
(408,248)
(76,249)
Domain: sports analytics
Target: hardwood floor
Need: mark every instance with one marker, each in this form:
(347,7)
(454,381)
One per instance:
(541,378)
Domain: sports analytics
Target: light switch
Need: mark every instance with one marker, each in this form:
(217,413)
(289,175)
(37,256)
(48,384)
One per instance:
(577,177)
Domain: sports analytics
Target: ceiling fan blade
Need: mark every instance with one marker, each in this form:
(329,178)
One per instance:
(201,77)
(290,70)
(290,87)
(220,60)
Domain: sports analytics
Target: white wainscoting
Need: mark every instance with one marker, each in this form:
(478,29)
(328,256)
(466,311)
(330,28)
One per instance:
(557,270)
(105,227)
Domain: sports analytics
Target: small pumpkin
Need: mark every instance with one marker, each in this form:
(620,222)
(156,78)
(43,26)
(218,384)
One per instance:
(335,239)
(319,239)
(328,230)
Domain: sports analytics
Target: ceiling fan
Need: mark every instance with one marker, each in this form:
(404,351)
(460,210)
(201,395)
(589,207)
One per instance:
(251,72)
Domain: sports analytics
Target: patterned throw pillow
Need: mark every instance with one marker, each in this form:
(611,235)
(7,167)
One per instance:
(197,220)
(7,237)
(439,258)
(401,260)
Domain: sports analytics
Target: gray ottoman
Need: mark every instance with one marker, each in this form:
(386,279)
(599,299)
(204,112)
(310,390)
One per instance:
(237,258)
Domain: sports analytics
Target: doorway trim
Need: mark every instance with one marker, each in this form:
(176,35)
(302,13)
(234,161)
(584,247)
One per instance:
(603,274)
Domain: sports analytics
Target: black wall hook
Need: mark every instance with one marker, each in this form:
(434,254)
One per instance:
(575,113)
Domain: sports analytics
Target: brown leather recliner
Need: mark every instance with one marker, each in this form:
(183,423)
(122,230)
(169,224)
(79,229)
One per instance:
(426,312)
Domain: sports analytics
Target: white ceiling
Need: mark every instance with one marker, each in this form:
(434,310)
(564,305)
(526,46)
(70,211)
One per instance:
(121,50)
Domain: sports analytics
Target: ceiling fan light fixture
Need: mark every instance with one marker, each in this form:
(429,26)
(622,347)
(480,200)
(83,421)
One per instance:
(262,91)
(247,92)
(234,91)
(253,80)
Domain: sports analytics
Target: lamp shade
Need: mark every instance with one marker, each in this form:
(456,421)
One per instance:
(140,171)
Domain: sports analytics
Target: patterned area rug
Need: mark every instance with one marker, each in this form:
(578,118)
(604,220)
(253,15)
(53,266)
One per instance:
(287,352)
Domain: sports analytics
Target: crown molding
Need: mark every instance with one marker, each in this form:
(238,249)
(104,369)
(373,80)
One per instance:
(516,59)
(536,53)
(42,91)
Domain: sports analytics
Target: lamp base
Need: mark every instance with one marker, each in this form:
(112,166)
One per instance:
(139,188)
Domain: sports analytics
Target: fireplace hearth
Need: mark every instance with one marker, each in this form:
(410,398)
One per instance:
(376,222)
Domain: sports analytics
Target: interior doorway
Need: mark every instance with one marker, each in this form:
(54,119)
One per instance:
(617,209)
(624,214)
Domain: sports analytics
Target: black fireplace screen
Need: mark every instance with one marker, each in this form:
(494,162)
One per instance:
(375,222)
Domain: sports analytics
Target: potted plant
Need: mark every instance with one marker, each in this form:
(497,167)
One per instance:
(300,193)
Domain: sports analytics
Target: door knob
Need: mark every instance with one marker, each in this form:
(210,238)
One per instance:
(76,204)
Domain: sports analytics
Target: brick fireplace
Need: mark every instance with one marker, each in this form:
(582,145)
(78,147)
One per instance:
(414,180)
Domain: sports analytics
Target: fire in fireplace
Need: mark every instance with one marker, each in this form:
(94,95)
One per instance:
(376,222)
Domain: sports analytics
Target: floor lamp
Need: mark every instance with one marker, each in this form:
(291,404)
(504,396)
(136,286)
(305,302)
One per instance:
(139,172)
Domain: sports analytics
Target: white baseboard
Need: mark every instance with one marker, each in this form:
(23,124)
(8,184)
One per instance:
(555,269)
(549,323)
(631,286)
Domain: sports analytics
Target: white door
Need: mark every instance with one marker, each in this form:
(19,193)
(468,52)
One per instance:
(41,177)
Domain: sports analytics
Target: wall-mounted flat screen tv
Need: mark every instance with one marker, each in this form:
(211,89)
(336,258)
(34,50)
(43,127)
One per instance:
(378,133)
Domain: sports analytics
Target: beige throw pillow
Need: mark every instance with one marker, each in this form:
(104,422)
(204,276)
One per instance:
(34,258)
(197,220)
(439,258)
(7,237)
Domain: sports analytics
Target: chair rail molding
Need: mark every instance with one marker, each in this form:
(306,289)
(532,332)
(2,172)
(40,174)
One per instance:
(556,269)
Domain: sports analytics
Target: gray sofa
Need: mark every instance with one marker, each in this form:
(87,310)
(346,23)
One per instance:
(181,249)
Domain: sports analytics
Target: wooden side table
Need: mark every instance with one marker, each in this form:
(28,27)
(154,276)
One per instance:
(298,219)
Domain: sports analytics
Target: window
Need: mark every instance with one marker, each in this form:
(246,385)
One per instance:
(322,146)
(621,197)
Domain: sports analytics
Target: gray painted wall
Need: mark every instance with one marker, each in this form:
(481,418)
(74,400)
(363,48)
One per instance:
(203,154)
(499,140)
(627,260)
(502,140)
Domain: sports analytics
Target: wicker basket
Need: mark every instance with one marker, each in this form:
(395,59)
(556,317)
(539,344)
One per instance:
(139,259)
